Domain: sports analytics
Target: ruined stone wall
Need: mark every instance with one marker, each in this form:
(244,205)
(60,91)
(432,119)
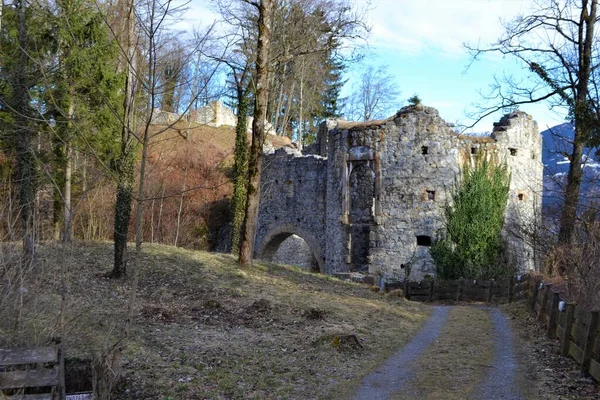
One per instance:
(214,114)
(419,159)
(520,144)
(292,202)
(381,191)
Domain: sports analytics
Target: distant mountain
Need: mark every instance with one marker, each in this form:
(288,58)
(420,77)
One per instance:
(556,144)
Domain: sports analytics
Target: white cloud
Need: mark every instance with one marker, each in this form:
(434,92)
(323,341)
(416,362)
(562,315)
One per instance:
(439,25)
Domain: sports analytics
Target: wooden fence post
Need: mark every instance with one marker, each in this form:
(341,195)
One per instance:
(564,348)
(431,289)
(543,309)
(490,292)
(589,343)
(460,290)
(511,289)
(536,289)
(551,332)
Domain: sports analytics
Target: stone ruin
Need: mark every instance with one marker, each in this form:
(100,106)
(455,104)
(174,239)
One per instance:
(371,197)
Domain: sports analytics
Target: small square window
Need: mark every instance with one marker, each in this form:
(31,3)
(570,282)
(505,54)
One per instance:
(513,152)
(431,195)
(521,196)
(473,150)
(423,240)
(424,150)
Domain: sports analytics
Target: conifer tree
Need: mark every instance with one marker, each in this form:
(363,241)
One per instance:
(472,246)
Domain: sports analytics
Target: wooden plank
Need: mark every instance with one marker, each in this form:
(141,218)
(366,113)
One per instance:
(595,370)
(40,396)
(460,290)
(576,352)
(562,318)
(566,339)
(422,298)
(589,342)
(583,315)
(534,296)
(546,295)
(553,315)
(560,334)
(30,378)
(431,290)
(578,334)
(33,355)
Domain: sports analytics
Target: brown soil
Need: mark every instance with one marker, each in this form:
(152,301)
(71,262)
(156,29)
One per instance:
(545,373)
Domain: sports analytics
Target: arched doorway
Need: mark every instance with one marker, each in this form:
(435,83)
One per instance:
(295,251)
(279,245)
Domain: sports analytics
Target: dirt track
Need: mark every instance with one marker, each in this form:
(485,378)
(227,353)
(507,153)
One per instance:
(468,352)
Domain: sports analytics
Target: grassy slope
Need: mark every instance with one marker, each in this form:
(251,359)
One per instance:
(204,328)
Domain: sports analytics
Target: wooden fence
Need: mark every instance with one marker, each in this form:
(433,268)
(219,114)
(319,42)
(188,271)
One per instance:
(498,292)
(576,328)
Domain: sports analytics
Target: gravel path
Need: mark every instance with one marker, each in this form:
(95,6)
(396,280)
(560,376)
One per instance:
(501,382)
(396,371)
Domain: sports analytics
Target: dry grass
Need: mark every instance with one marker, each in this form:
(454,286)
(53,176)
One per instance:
(204,328)
(456,363)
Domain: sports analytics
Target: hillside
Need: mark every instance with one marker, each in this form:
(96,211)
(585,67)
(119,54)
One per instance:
(188,187)
(204,328)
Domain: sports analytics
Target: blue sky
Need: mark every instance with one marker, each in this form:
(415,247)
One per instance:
(421,42)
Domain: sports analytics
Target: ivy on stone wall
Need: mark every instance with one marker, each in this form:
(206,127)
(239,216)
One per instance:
(472,246)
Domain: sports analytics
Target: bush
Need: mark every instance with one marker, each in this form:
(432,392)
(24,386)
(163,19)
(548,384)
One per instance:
(472,246)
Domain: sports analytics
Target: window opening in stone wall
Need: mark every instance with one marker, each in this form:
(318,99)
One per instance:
(431,195)
(424,149)
(423,240)
(289,188)
(513,152)
(521,196)
(473,150)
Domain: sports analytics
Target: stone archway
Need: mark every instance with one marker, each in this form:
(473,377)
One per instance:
(271,242)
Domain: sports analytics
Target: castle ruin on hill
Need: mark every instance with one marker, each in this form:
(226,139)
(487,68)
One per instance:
(372,197)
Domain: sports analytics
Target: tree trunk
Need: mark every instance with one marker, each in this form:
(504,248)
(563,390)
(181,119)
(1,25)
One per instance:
(180,210)
(24,138)
(258,132)
(581,112)
(288,112)
(67,213)
(240,170)
(125,167)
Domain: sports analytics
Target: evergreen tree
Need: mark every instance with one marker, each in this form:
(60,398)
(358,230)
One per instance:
(472,245)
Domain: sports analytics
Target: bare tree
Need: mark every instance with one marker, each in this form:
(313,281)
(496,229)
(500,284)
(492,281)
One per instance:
(265,20)
(558,44)
(375,95)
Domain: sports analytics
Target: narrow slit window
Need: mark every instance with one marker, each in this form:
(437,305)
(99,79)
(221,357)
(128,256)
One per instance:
(513,152)
(423,240)
(424,150)
(473,150)
(431,195)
